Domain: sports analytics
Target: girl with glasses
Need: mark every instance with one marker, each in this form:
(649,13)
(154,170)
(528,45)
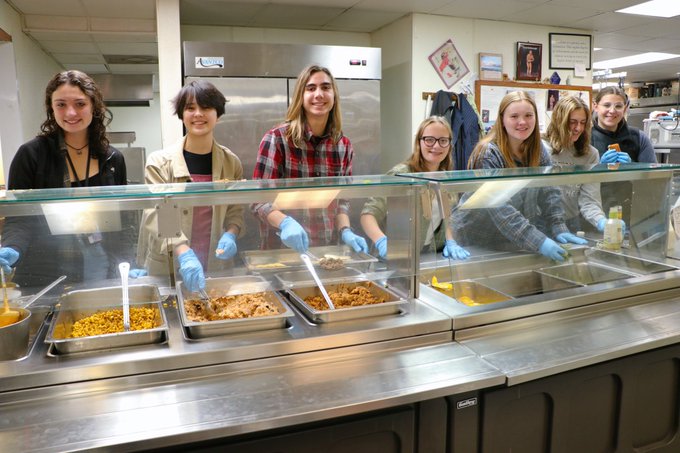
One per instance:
(609,127)
(514,141)
(431,152)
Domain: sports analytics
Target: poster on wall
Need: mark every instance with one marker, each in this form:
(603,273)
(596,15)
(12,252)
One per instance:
(448,63)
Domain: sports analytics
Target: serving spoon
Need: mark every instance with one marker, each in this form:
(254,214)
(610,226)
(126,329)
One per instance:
(305,259)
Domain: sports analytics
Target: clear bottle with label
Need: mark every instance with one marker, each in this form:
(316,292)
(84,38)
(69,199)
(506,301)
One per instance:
(613,231)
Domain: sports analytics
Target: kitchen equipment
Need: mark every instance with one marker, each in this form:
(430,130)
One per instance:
(8,316)
(305,259)
(392,305)
(80,304)
(224,286)
(293,279)
(124,269)
(14,339)
(205,298)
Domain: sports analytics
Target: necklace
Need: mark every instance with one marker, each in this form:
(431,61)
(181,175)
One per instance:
(79,151)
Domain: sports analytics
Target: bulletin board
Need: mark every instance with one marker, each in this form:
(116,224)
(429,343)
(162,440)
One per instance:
(488,95)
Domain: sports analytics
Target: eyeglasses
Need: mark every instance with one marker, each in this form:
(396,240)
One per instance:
(430,141)
(608,106)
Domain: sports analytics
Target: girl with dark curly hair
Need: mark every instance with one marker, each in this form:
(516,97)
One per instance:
(71,151)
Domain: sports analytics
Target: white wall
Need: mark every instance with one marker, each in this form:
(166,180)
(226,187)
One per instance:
(144,121)
(32,70)
(407,73)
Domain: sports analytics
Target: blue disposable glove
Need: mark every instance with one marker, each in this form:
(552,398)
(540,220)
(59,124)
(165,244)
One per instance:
(381,245)
(354,240)
(192,271)
(454,251)
(136,273)
(8,256)
(552,250)
(602,222)
(227,246)
(293,235)
(609,157)
(623,158)
(568,237)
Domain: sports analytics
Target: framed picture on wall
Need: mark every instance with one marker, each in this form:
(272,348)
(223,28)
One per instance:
(529,58)
(448,63)
(490,66)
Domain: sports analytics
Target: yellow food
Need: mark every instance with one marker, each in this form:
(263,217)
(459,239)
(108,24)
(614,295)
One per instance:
(444,286)
(111,321)
(467,300)
(270,266)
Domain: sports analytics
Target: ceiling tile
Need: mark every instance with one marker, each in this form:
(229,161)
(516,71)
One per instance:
(404,6)
(362,20)
(607,22)
(67,23)
(79,58)
(126,48)
(555,15)
(480,10)
(123,25)
(89,68)
(51,7)
(295,16)
(132,9)
(70,47)
(133,68)
(215,12)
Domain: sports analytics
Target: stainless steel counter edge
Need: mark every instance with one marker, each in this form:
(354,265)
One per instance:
(544,345)
(169,408)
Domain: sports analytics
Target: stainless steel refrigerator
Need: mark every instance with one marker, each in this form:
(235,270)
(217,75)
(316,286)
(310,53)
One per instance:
(258,80)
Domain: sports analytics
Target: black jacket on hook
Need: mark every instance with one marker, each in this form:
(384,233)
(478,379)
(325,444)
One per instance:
(464,124)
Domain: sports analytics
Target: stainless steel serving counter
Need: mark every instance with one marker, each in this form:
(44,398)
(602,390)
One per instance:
(207,402)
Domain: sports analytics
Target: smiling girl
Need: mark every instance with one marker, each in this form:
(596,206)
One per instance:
(514,141)
(567,138)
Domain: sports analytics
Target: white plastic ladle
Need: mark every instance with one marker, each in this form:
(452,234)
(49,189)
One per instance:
(305,259)
(124,269)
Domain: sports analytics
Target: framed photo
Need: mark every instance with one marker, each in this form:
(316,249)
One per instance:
(552,97)
(567,50)
(448,64)
(490,66)
(529,58)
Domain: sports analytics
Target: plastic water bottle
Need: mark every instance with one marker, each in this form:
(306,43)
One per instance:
(613,231)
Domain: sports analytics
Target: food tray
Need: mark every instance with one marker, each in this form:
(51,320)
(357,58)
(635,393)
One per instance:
(275,260)
(584,273)
(77,305)
(224,286)
(629,263)
(527,283)
(294,279)
(473,293)
(393,303)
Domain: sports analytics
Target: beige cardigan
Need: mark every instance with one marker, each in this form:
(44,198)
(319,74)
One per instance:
(168,166)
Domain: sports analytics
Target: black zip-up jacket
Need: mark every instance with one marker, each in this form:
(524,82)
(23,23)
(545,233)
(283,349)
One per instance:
(40,164)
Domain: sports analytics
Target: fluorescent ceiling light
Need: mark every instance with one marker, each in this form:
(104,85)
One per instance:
(633,60)
(658,8)
(597,48)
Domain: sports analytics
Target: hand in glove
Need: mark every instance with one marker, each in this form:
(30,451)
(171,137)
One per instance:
(602,222)
(355,241)
(568,237)
(454,251)
(552,250)
(623,158)
(226,247)
(137,273)
(192,271)
(293,235)
(609,157)
(8,256)
(381,245)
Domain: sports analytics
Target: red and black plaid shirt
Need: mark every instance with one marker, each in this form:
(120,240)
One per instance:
(279,158)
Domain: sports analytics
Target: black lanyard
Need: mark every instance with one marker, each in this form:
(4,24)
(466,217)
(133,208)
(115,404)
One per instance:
(75,174)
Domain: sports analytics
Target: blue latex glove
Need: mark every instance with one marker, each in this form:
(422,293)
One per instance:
(381,245)
(293,235)
(192,271)
(136,273)
(623,158)
(354,240)
(227,244)
(454,251)
(568,237)
(602,222)
(609,157)
(8,256)
(552,250)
